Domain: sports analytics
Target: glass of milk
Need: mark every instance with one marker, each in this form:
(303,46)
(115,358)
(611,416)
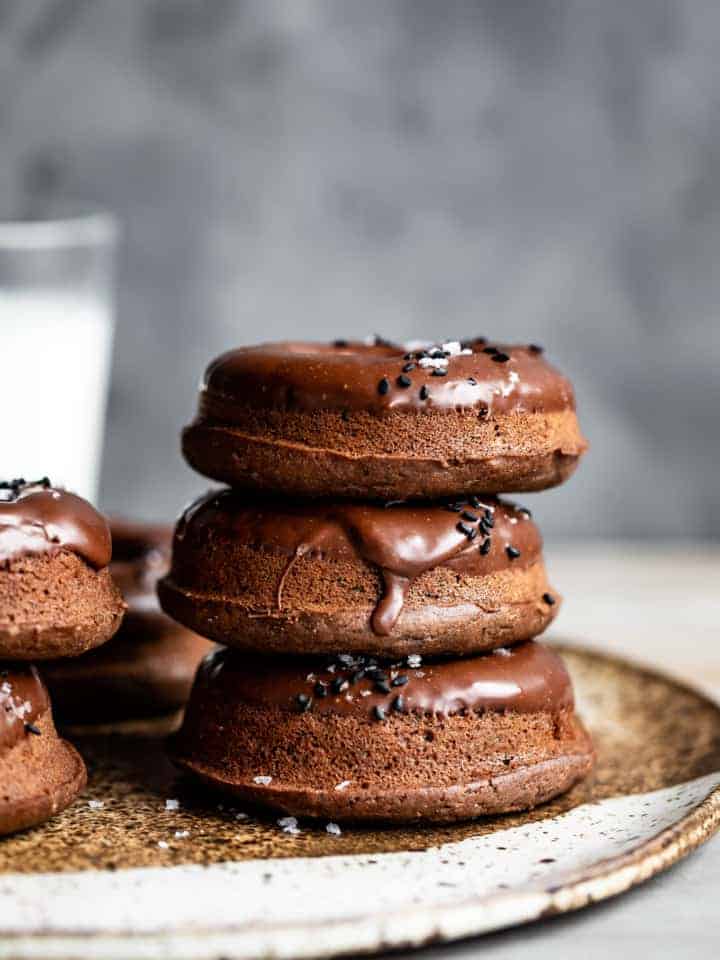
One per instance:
(56,330)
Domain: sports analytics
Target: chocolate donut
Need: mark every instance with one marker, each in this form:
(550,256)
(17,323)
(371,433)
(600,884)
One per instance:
(57,598)
(377,421)
(354,739)
(273,576)
(40,774)
(147,668)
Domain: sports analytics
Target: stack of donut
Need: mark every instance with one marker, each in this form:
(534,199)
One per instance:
(375,600)
(57,599)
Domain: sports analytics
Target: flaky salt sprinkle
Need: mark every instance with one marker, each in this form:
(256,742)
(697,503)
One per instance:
(172,804)
(96,804)
(414,660)
(343,785)
(502,652)
(289,825)
(182,834)
(163,844)
(333,829)
(436,363)
(262,780)
(242,816)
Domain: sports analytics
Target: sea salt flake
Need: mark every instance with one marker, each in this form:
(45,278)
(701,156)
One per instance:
(414,660)
(343,785)
(333,829)
(163,844)
(181,834)
(242,816)
(262,780)
(96,804)
(289,825)
(172,804)
(436,363)
(452,347)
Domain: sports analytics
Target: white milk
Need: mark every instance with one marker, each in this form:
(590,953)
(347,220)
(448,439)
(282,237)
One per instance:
(55,350)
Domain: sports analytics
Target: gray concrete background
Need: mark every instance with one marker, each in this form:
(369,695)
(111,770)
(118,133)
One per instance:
(545,170)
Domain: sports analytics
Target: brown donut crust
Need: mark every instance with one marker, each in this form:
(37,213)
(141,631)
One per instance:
(499,610)
(276,576)
(40,776)
(408,768)
(55,605)
(400,455)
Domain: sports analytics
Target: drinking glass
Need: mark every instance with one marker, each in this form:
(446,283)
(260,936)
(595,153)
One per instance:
(56,331)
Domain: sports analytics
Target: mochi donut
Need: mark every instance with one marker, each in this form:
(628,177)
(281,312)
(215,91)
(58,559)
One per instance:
(380,421)
(147,668)
(40,774)
(57,598)
(356,738)
(280,577)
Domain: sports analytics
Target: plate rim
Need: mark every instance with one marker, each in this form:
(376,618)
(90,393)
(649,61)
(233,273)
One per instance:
(603,880)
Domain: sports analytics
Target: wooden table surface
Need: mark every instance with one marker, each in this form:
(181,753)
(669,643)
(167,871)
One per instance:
(658,604)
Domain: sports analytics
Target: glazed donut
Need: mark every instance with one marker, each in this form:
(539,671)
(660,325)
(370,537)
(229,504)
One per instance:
(40,774)
(57,598)
(280,577)
(379,421)
(354,739)
(147,668)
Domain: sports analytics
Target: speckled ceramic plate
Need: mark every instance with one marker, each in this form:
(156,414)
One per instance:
(141,868)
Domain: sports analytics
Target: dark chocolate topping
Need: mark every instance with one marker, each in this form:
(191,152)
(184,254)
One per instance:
(402,540)
(527,678)
(23,698)
(357,376)
(40,519)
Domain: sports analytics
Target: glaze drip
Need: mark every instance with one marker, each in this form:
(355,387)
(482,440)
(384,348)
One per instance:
(401,540)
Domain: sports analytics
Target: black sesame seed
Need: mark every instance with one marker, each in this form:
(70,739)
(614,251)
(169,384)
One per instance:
(320,690)
(31,728)
(398,704)
(409,356)
(383,386)
(357,676)
(474,501)
(400,680)
(485,547)
(408,367)
(346,659)
(535,348)
(382,686)
(378,712)
(304,702)
(466,515)
(464,528)
(438,373)
(424,392)
(339,684)
(512,552)
(524,510)
(453,507)
(403,381)
(549,599)
(472,381)
(488,519)
(490,350)
(500,357)
(438,354)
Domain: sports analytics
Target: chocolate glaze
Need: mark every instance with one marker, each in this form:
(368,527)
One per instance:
(41,519)
(527,679)
(23,698)
(315,376)
(403,540)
